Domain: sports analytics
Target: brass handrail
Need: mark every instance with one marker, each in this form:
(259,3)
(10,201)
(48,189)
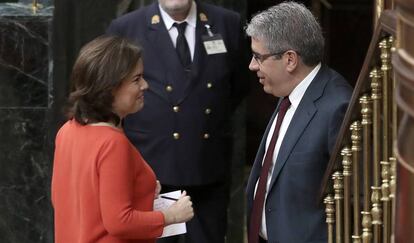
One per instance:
(370,126)
(386,24)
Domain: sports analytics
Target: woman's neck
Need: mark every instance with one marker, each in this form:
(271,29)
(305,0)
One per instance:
(109,124)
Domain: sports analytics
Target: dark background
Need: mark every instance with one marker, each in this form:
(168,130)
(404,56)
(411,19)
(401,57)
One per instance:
(347,27)
(31,115)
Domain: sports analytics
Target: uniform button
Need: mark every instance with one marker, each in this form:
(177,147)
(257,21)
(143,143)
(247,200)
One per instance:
(207,111)
(209,85)
(176,108)
(169,88)
(176,135)
(206,135)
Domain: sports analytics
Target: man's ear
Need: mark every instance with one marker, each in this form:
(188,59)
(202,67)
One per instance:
(292,60)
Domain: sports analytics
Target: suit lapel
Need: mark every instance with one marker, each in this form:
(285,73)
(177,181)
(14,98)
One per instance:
(200,55)
(199,52)
(300,120)
(160,40)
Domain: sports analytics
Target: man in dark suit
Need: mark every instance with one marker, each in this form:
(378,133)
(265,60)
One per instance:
(282,190)
(193,64)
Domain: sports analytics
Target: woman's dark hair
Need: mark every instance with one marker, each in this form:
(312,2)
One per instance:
(102,65)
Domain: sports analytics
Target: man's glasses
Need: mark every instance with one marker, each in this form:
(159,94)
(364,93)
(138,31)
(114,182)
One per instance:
(260,58)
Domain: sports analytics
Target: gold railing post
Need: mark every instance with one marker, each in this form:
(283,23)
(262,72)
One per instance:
(379,7)
(347,165)
(330,216)
(386,67)
(395,113)
(393,161)
(376,210)
(376,213)
(376,97)
(366,112)
(337,177)
(385,190)
(393,186)
(356,138)
(366,227)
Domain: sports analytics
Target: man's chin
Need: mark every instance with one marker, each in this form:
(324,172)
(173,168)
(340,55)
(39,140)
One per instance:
(177,9)
(267,90)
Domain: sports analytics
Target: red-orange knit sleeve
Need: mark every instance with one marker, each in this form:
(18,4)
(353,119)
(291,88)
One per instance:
(117,167)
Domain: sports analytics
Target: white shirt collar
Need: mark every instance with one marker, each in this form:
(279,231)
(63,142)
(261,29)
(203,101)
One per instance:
(299,91)
(191,17)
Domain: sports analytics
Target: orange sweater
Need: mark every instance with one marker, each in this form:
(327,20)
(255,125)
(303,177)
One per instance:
(102,189)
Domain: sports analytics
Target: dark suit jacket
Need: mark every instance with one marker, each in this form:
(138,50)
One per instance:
(293,214)
(203,100)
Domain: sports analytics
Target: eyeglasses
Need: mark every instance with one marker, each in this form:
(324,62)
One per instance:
(260,58)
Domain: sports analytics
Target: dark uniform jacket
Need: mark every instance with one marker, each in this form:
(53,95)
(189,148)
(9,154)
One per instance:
(292,212)
(183,130)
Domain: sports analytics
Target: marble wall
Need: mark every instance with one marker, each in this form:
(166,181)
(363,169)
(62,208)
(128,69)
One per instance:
(31,101)
(25,100)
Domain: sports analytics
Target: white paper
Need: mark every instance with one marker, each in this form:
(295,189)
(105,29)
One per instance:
(162,203)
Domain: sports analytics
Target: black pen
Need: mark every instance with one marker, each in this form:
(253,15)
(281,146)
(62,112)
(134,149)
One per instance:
(170,198)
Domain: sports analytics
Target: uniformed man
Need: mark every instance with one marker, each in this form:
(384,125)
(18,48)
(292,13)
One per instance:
(193,59)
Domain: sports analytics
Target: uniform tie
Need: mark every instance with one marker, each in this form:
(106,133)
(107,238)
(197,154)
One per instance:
(181,45)
(258,202)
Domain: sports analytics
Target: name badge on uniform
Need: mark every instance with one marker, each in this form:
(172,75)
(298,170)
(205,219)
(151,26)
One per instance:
(213,43)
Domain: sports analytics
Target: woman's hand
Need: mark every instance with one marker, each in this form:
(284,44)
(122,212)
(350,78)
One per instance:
(180,211)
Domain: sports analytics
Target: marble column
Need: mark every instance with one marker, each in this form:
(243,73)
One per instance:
(25,99)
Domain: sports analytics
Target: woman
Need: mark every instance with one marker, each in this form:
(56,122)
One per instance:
(102,189)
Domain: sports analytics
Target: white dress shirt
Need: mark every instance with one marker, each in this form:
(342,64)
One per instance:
(295,97)
(189,31)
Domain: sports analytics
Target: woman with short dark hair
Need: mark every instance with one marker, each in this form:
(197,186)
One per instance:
(102,189)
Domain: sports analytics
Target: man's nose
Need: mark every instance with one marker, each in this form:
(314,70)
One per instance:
(253,65)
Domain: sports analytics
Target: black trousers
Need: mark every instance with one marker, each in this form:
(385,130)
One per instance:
(210,204)
(261,240)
